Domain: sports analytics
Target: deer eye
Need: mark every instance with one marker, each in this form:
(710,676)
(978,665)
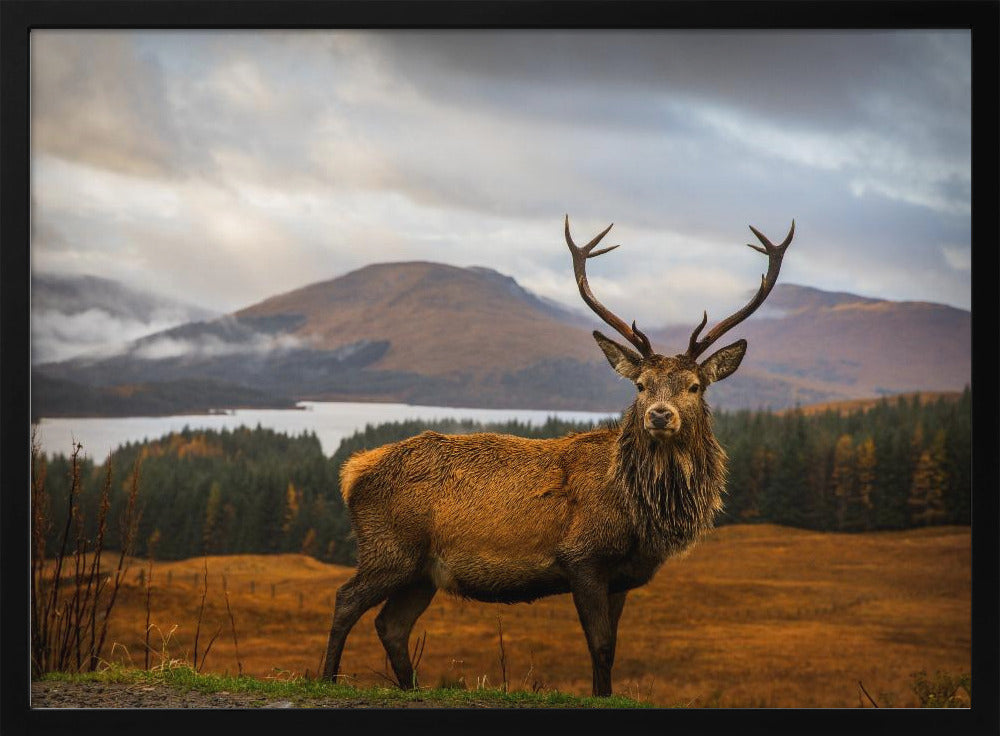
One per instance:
(640,387)
(694,388)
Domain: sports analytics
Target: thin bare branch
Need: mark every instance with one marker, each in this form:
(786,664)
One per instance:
(870,698)
(201,611)
(204,655)
(503,655)
(418,654)
(232,624)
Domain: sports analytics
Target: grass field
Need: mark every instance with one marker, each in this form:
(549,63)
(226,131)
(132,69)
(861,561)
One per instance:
(755,616)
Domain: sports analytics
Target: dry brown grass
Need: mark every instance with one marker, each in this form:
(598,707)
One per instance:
(755,616)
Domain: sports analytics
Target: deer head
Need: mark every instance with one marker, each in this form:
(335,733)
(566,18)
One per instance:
(670,390)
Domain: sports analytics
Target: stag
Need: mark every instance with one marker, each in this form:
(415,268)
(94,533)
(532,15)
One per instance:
(499,518)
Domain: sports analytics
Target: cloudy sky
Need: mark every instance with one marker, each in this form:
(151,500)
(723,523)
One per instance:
(224,167)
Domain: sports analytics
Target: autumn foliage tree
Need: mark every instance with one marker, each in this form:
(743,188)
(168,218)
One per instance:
(930,481)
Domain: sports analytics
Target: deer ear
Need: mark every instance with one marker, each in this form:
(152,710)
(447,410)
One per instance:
(624,361)
(723,363)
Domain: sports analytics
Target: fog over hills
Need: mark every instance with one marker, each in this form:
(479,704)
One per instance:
(71,315)
(425,333)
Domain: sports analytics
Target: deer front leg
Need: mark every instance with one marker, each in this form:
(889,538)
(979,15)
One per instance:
(599,619)
(616,602)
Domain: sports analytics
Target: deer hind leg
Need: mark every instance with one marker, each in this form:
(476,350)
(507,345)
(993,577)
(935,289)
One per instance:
(395,622)
(370,586)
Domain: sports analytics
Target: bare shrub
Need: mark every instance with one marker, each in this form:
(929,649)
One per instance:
(71,595)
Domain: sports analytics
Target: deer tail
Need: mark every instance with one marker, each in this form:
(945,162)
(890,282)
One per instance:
(356,466)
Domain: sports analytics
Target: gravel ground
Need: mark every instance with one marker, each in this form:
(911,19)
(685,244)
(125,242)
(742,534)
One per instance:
(115,695)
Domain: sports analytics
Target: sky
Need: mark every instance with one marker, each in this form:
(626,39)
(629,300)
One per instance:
(221,168)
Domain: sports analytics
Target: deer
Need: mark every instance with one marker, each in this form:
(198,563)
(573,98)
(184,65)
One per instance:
(499,518)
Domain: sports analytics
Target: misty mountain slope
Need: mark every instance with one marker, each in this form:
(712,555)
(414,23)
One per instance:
(425,333)
(413,332)
(439,320)
(72,315)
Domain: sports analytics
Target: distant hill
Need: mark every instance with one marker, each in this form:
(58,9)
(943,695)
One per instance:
(57,397)
(849,406)
(439,320)
(789,299)
(846,346)
(426,333)
(71,315)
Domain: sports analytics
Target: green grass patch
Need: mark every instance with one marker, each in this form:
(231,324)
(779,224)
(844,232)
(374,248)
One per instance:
(312,692)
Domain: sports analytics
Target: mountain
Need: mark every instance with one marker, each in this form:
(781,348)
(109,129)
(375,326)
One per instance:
(788,299)
(415,332)
(438,320)
(71,315)
(847,346)
(426,333)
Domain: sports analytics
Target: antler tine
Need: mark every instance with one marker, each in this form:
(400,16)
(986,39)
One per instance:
(768,245)
(693,342)
(580,256)
(774,255)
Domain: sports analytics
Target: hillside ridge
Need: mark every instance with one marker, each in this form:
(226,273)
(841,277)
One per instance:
(421,332)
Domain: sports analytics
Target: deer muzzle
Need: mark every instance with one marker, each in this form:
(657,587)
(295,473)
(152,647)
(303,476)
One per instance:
(662,420)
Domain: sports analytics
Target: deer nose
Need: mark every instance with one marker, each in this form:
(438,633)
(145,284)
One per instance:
(659,418)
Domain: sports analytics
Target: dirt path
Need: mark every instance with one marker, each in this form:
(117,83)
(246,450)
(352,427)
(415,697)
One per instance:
(118,695)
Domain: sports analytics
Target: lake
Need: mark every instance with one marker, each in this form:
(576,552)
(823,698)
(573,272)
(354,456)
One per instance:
(331,421)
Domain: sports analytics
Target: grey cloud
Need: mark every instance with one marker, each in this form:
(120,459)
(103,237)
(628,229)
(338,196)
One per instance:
(832,86)
(95,100)
(295,156)
(826,77)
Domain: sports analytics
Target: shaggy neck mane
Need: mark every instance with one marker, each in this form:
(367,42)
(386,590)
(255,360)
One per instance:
(673,489)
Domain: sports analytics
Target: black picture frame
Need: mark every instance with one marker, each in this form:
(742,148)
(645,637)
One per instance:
(20,17)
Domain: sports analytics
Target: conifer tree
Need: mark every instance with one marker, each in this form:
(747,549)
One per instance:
(211,535)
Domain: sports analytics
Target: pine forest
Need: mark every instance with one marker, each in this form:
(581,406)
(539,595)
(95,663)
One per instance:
(899,464)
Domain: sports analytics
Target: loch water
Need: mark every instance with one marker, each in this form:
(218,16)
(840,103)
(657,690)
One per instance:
(331,421)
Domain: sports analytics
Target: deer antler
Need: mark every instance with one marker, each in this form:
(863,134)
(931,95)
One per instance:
(774,255)
(580,256)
